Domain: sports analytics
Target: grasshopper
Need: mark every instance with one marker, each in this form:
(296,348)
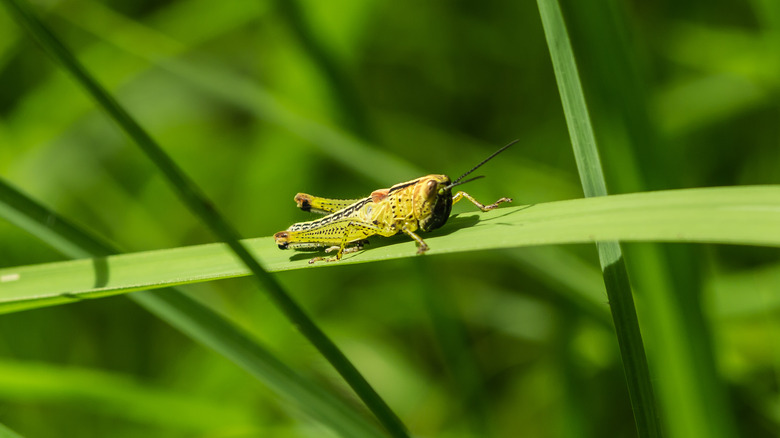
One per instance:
(422,204)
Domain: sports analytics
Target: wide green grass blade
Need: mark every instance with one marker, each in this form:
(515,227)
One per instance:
(613,266)
(734,215)
(196,201)
(192,318)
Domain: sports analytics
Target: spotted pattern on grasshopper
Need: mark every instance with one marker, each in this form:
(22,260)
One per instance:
(419,205)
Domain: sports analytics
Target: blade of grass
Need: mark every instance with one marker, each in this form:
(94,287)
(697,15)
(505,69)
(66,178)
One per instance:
(196,201)
(613,267)
(735,215)
(692,393)
(191,318)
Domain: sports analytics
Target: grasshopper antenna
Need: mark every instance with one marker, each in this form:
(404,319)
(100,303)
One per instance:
(456,183)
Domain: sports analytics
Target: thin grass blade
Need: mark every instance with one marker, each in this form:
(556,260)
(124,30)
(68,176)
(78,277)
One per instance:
(615,274)
(691,391)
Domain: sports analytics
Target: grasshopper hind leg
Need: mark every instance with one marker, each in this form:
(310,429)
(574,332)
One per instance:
(344,248)
(365,228)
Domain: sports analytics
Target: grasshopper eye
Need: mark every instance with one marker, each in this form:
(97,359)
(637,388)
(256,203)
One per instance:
(431,186)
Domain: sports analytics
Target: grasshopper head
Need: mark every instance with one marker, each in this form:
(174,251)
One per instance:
(432,201)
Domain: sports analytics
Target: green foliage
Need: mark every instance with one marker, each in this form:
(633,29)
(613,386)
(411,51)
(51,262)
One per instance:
(485,336)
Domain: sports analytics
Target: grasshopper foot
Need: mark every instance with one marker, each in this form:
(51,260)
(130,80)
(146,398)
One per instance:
(358,246)
(495,204)
(341,251)
(323,259)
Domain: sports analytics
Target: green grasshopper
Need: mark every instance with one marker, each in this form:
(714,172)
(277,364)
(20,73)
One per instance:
(422,204)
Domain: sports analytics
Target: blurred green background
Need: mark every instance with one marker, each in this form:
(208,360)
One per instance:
(258,100)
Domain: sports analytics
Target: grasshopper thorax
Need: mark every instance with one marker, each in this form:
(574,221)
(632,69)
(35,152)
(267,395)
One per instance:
(432,201)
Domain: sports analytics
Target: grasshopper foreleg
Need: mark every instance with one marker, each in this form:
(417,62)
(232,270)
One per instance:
(460,195)
(421,245)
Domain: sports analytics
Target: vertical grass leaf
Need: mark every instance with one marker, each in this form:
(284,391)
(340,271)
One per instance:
(593,184)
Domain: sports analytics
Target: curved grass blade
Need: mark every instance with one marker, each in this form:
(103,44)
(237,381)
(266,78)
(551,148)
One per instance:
(196,201)
(732,215)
